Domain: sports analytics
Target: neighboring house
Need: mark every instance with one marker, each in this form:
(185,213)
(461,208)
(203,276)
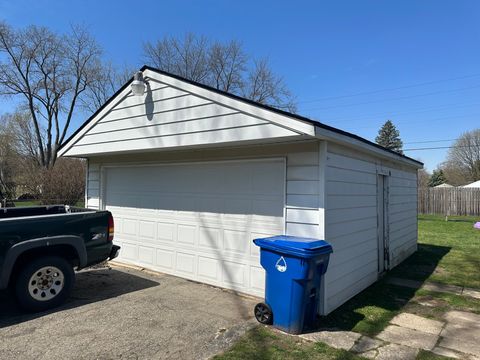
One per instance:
(444,185)
(192,175)
(475,184)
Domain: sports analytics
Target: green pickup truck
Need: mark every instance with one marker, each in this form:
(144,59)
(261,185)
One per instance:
(41,246)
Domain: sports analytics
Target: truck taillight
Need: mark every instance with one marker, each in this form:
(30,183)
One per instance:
(110,227)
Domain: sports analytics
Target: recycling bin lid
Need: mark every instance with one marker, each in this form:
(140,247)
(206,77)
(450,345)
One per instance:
(294,245)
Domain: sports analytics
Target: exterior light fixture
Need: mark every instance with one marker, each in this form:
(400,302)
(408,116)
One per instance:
(138,84)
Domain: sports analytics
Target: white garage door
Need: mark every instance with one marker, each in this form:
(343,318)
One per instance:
(198,220)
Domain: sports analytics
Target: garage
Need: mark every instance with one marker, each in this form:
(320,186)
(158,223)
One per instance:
(196,220)
(193,174)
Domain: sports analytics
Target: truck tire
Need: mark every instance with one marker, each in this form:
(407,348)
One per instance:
(44,283)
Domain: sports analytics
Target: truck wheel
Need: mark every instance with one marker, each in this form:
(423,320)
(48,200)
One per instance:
(44,283)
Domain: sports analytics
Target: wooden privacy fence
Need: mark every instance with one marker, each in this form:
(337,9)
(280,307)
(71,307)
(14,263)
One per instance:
(449,201)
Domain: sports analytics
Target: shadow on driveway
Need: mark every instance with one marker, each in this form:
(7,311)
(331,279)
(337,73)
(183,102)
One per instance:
(90,286)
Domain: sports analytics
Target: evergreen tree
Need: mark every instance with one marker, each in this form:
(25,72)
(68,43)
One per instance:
(437,178)
(389,137)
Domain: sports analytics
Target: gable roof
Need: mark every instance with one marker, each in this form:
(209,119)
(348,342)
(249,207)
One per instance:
(475,184)
(327,129)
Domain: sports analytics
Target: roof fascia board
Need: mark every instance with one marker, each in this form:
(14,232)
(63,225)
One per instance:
(326,134)
(289,123)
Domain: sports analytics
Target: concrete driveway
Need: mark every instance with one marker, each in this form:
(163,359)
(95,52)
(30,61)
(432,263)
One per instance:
(122,313)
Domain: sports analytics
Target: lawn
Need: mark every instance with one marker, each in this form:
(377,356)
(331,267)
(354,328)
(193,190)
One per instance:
(448,252)
(263,343)
(80,203)
(461,264)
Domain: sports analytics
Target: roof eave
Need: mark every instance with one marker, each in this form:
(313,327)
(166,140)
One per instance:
(324,133)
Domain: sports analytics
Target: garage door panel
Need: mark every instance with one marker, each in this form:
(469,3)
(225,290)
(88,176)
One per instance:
(234,241)
(210,238)
(185,263)
(257,278)
(234,274)
(129,251)
(209,269)
(165,231)
(146,255)
(186,234)
(165,259)
(146,229)
(198,220)
(129,227)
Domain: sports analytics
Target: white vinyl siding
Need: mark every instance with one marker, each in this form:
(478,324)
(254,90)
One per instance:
(92,193)
(403,215)
(302,217)
(351,220)
(166,117)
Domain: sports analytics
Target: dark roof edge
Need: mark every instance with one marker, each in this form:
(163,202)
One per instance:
(281,112)
(248,101)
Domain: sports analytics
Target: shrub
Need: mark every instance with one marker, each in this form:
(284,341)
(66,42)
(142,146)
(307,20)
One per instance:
(64,183)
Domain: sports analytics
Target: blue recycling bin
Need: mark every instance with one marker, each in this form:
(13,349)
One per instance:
(294,269)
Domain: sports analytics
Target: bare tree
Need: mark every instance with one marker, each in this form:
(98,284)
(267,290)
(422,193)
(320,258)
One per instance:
(422,178)
(227,63)
(108,80)
(24,137)
(8,161)
(51,73)
(465,155)
(265,87)
(64,183)
(224,66)
(187,57)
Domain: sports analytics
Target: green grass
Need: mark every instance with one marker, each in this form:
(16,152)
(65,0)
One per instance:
(451,301)
(262,343)
(26,203)
(448,252)
(80,203)
(461,264)
(370,311)
(427,355)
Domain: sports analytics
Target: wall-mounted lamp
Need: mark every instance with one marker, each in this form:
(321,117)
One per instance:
(138,84)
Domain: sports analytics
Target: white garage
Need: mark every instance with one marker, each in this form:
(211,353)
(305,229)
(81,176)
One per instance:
(193,220)
(192,175)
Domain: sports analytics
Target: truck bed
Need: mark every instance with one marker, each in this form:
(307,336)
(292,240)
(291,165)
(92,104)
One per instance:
(8,213)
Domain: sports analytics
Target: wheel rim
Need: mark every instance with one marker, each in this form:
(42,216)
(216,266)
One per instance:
(262,314)
(46,283)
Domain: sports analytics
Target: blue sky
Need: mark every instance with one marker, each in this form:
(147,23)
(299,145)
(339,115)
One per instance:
(351,64)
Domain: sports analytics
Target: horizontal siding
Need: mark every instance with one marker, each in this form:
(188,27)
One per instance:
(93,186)
(346,293)
(351,220)
(302,215)
(403,215)
(351,225)
(172,129)
(166,117)
(191,139)
(302,187)
(203,111)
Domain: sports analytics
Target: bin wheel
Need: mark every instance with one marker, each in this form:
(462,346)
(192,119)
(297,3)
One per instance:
(263,314)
